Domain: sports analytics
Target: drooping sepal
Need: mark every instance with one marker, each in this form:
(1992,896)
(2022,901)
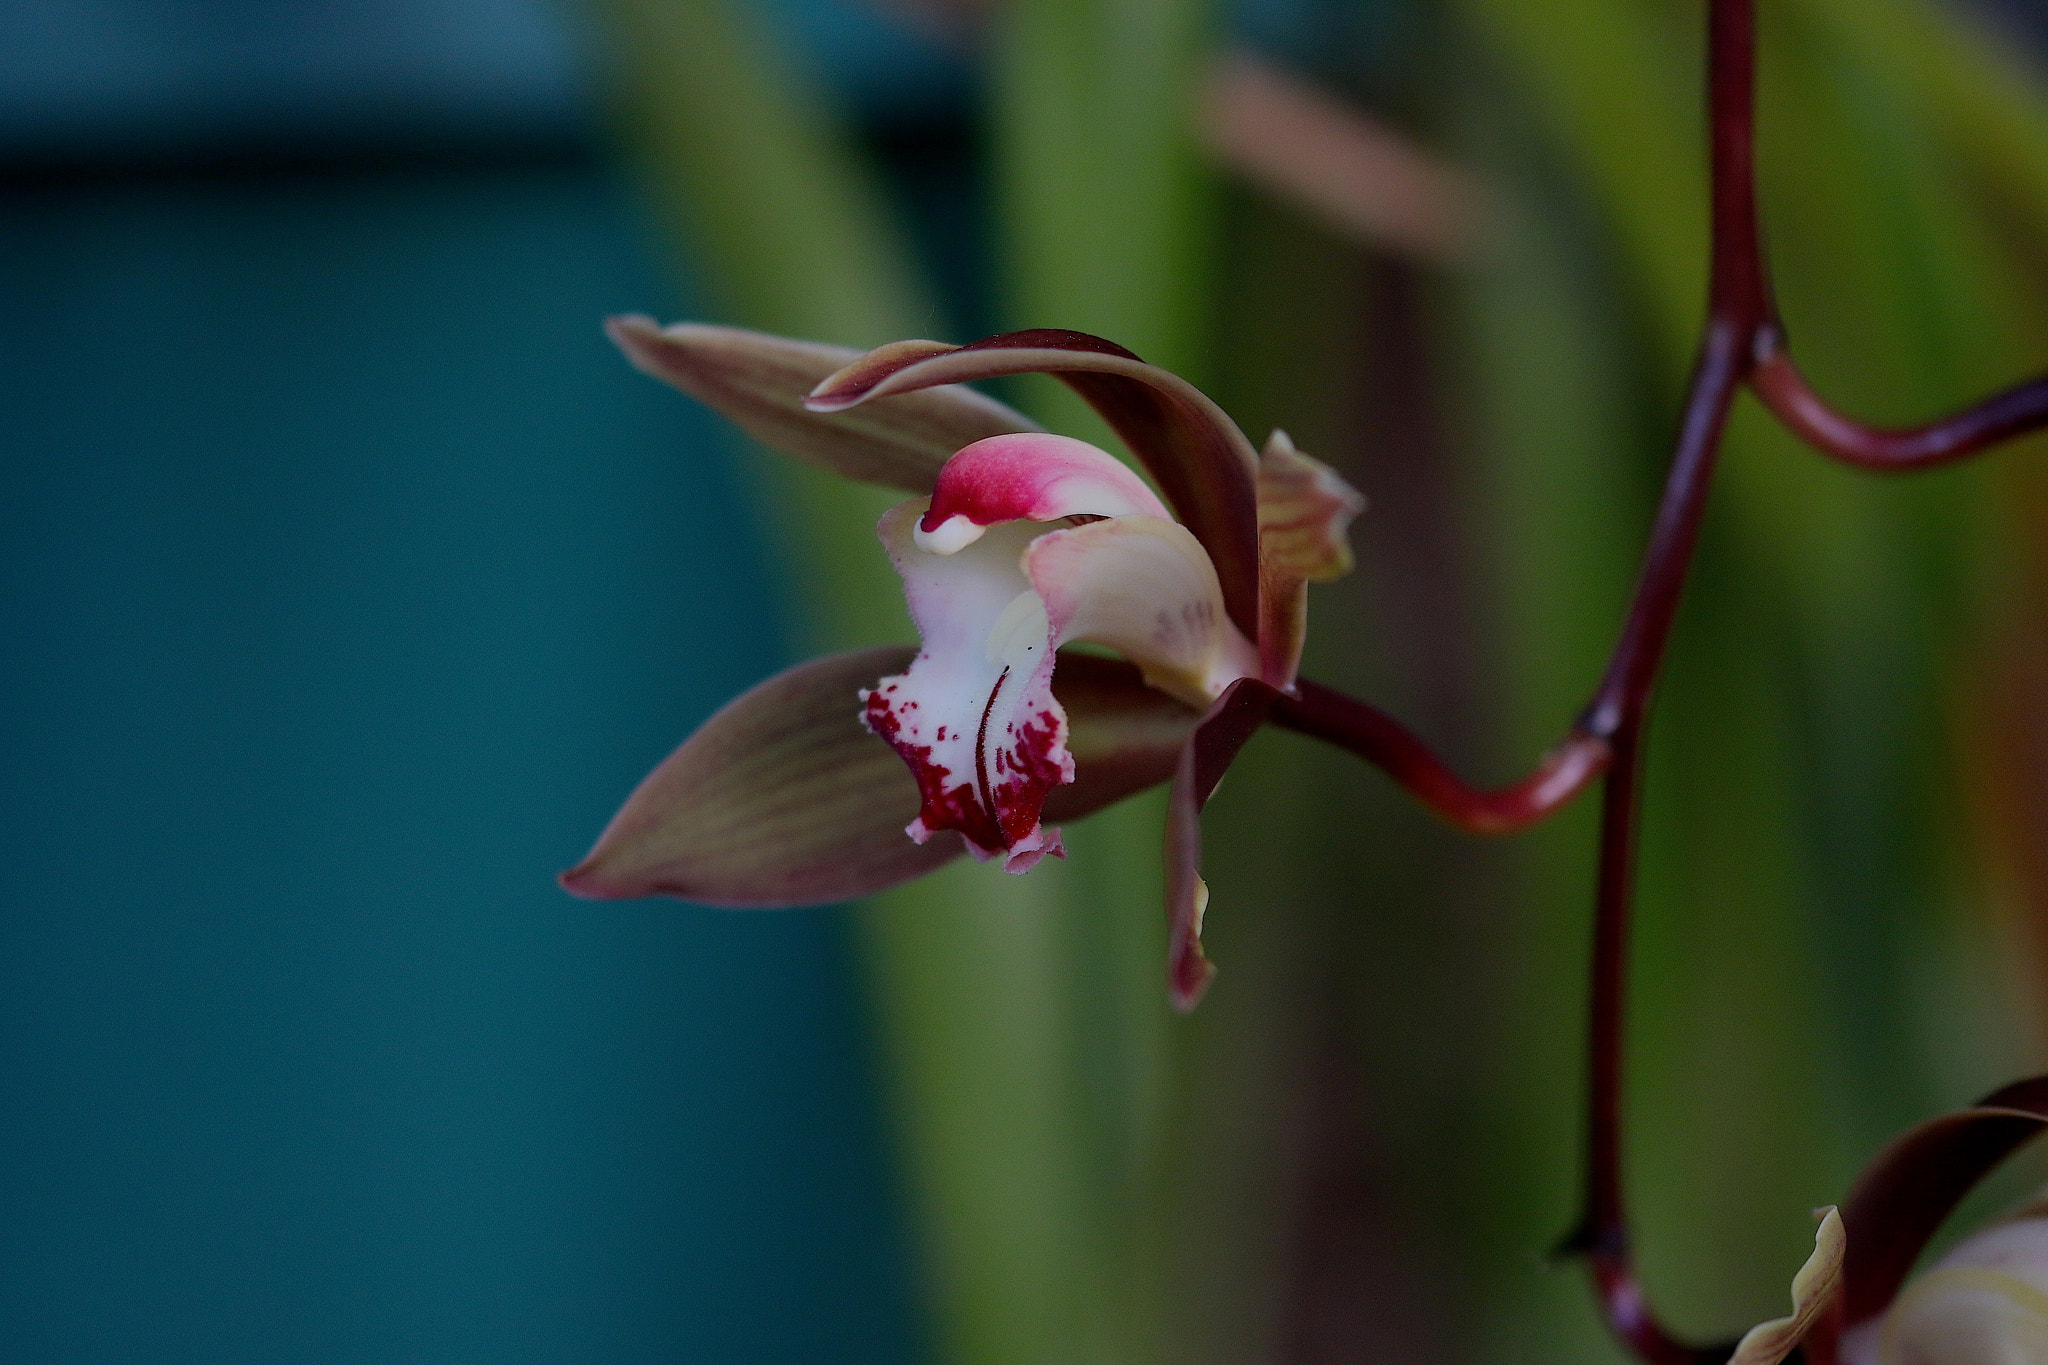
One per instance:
(1201,461)
(761,381)
(1223,730)
(780,799)
(1305,508)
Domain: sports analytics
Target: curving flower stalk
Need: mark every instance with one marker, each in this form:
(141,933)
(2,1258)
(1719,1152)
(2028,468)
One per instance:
(1021,542)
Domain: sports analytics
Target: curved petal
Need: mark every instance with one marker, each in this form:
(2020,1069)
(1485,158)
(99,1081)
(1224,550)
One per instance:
(1917,1179)
(1143,587)
(1305,507)
(1200,459)
(974,715)
(1223,730)
(1033,476)
(760,381)
(1813,1288)
(780,799)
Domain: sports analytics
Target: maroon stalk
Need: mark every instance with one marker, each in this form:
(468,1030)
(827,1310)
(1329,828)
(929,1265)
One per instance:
(1743,342)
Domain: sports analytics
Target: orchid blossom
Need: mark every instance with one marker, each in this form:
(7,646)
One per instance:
(1018,542)
(1985,1302)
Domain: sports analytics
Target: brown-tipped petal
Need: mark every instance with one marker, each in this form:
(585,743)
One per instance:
(781,799)
(1202,462)
(1910,1187)
(760,382)
(1767,1343)
(1223,730)
(1305,507)
(1124,735)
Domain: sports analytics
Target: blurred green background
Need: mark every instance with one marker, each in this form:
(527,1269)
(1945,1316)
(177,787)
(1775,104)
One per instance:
(350,581)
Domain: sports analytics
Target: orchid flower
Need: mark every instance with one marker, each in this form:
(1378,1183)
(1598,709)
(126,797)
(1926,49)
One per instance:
(1017,543)
(1985,1302)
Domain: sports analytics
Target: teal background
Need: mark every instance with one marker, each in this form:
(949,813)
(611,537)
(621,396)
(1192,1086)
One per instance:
(348,580)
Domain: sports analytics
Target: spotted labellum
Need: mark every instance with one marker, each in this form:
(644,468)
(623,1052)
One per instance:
(856,772)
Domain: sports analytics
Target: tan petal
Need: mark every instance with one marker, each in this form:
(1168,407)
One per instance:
(760,382)
(1305,507)
(1143,587)
(1813,1287)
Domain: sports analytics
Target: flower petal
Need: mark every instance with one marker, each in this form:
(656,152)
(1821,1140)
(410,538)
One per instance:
(1034,476)
(760,381)
(1223,730)
(974,715)
(780,799)
(1813,1287)
(1143,587)
(1200,459)
(1917,1179)
(1305,507)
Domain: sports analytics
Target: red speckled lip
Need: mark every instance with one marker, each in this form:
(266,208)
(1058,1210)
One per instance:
(995,785)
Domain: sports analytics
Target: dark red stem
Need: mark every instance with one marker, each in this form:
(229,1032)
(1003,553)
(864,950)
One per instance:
(1784,391)
(1742,343)
(1377,737)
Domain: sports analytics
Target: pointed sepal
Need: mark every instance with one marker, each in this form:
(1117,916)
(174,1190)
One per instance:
(783,799)
(1223,730)
(780,799)
(761,381)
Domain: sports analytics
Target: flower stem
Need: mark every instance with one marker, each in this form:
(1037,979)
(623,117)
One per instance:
(1743,342)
